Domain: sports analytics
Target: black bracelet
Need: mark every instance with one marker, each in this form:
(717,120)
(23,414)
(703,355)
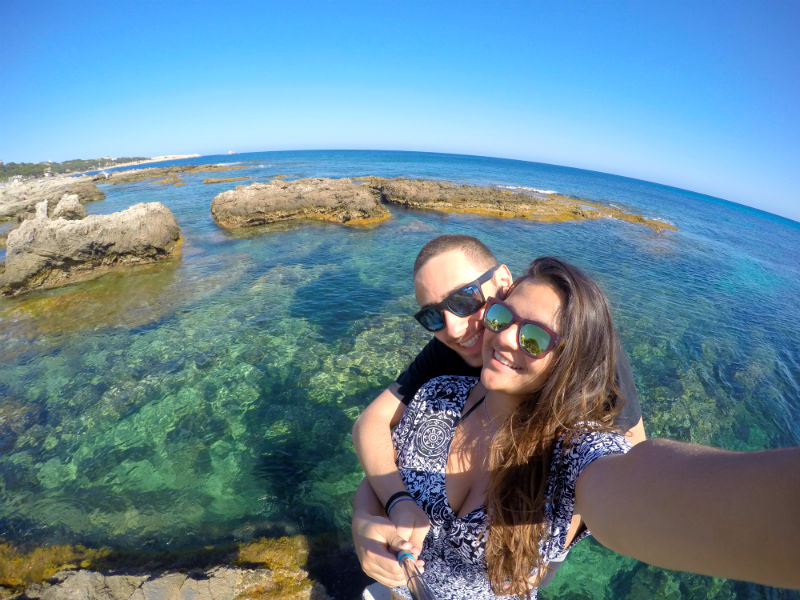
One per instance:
(393,497)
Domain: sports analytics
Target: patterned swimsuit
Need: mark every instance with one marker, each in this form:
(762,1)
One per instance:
(454,549)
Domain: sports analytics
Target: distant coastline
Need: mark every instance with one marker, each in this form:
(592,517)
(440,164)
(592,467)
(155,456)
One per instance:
(12,171)
(155,159)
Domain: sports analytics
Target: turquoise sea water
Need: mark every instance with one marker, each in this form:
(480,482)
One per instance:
(211,399)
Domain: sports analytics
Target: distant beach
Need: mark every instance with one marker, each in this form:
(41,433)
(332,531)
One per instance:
(155,159)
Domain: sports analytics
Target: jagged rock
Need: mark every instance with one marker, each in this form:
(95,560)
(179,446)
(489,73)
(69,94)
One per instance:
(86,585)
(336,200)
(218,583)
(70,208)
(44,253)
(41,210)
(18,199)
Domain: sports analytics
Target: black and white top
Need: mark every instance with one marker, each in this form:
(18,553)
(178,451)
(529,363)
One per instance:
(454,549)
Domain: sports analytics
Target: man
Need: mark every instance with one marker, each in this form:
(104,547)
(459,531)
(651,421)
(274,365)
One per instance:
(453,276)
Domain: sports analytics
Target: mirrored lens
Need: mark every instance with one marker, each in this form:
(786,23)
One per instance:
(534,340)
(431,319)
(465,301)
(498,317)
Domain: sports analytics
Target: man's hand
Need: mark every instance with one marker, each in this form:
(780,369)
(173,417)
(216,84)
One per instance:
(411,521)
(377,543)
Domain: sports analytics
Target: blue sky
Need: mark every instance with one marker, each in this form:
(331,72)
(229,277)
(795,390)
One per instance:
(699,95)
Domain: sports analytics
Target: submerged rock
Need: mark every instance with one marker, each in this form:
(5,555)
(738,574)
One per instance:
(44,253)
(335,200)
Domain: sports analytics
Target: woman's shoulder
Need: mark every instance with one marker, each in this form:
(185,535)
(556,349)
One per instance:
(588,443)
(448,386)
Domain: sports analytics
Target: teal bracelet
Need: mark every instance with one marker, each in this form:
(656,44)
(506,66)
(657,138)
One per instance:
(401,555)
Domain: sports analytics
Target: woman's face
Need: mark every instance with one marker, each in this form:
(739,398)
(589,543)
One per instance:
(506,368)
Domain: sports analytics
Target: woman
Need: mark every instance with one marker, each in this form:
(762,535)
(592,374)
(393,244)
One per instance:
(502,447)
(513,469)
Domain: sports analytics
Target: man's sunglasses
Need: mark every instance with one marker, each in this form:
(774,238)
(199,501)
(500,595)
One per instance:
(535,339)
(462,302)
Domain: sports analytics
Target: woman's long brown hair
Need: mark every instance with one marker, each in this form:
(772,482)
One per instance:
(580,388)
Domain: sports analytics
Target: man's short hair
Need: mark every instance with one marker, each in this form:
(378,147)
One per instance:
(475,250)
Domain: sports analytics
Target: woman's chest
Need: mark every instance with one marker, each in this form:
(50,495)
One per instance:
(445,464)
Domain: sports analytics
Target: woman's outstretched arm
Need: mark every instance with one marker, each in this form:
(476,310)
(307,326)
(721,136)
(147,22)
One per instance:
(699,509)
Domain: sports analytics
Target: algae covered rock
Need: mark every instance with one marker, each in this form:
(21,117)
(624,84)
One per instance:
(266,569)
(44,253)
(503,202)
(335,200)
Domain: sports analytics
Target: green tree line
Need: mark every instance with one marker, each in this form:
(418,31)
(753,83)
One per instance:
(31,170)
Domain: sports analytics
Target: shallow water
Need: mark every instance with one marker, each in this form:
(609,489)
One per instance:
(211,399)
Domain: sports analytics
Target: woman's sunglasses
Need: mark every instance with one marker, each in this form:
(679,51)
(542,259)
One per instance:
(462,302)
(535,339)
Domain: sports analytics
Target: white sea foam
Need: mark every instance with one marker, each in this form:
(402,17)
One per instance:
(523,188)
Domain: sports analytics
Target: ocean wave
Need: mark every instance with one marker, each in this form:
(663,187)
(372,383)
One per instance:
(523,188)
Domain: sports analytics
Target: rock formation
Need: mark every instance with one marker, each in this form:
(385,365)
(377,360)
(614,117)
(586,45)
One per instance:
(218,583)
(18,199)
(70,208)
(43,252)
(498,202)
(164,175)
(360,202)
(264,569)
(335,200)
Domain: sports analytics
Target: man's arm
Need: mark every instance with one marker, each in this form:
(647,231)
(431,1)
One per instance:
(699,509)
(372,439)
(375,539)
(372,433)
(636,434)
(630,416)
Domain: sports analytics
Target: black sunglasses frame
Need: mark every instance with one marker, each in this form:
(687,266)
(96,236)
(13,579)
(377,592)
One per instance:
(440,307)
(555,339)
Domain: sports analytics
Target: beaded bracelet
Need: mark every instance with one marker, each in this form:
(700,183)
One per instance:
(391,501)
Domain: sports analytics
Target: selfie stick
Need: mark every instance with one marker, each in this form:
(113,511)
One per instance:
(416,585)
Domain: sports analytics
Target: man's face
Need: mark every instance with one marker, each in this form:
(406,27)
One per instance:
(442,275)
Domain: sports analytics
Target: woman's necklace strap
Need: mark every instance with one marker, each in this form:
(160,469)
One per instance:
(469,412)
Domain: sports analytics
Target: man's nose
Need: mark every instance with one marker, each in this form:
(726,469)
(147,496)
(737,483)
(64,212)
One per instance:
(454,325)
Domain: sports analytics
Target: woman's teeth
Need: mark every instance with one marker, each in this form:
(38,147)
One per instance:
(505,362)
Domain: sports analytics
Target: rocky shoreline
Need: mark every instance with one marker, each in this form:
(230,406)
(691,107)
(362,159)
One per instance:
(267,568)
(51,242)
